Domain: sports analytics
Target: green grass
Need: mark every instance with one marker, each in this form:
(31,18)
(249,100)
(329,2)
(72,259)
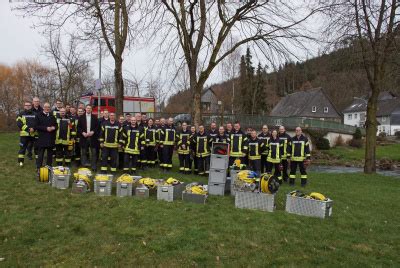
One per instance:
(41,226)
(347,153)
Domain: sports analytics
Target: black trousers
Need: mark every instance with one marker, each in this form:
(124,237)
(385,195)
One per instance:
(130,162)
(203,164)
(168,150)
(263,163)
(107,153)
(284,173)
(151,155)
(255,165)
(93,155)
(121,155)
(49,159)
(195,163)
(184,162)
(293,169)
(160,155)
(32,146)
(63,154)
(24,143)
(271,165)
(142,157)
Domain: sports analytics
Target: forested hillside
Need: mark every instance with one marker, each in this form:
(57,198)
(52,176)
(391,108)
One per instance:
(340,73)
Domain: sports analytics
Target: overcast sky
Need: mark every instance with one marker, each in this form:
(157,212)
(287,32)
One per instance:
(19,41)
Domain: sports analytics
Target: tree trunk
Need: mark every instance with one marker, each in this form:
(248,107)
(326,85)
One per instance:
(370,136)
(119,88)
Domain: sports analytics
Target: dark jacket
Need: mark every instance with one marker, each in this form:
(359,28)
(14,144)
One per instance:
(38,110)
(82,127)
(43,121)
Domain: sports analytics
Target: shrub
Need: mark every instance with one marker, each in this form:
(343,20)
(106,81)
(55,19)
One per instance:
(323,144)
(397,134)
(339,141)
(357,134)
(381,136)
(357,143)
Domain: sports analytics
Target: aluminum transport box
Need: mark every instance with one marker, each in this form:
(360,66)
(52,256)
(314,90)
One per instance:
(308,207)
(170,192)
(255,200)
(61,181)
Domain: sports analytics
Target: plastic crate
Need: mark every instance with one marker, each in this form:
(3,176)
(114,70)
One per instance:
(216,189)
(170,192)
(124,189)
(194,198)
(220,148)
(308,207)
(255,200)
(79,187)
(103,188)
(217,176)
(219,161)
(142,192)
(61,181)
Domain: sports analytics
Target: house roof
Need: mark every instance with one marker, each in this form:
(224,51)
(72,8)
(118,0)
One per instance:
(387,103)
(207,97)
(299,104)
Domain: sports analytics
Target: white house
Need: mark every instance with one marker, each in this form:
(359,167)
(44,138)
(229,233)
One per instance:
(388,114)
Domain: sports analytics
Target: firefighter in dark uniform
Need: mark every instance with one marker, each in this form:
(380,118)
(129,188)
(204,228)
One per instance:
(109,142)
(56,110)
(26,122)
(213,133)
(46,125)
(264,136)
(229,129)
(299,153)
(183,145)
(132,140)
(121,122)
(65,134)
(159,143)
(256,147)
(142,156)
(238,144)
(167,141)
(150,136)
(285,140)
(193,158)
(201,142)
(127,121)
(222,136)
(275,151)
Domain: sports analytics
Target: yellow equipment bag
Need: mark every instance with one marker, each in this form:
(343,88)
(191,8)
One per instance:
(318,196)
(172,181)
(102,177)
(148,182)
(125,178)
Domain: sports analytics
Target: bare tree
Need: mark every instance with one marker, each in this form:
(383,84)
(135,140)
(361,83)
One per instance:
(199,28)
(371,26)
(91,19)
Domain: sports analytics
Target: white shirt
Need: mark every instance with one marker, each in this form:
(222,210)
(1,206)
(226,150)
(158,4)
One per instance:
(88,121)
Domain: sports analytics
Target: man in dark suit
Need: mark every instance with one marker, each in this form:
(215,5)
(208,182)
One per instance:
(88,133)
(46,125)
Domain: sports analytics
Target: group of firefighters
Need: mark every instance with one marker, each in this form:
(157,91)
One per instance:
(136,142)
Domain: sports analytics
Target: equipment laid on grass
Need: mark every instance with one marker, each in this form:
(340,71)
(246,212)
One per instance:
(246,180)
(60,177)
(82,181)
(269,184)
(255,200)
(312,205)
(171,190)
(103,184)
(195,193)
(125,185)
(44,174)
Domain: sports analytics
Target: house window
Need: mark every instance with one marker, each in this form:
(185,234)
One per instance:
(326,110)
(314,109)
(383,119)
(349,116)
(355,116)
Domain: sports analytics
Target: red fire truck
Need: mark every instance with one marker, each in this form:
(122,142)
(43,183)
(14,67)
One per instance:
(131,104)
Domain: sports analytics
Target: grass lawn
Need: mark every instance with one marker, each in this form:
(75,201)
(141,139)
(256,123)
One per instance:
(347,153)
(41,226)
